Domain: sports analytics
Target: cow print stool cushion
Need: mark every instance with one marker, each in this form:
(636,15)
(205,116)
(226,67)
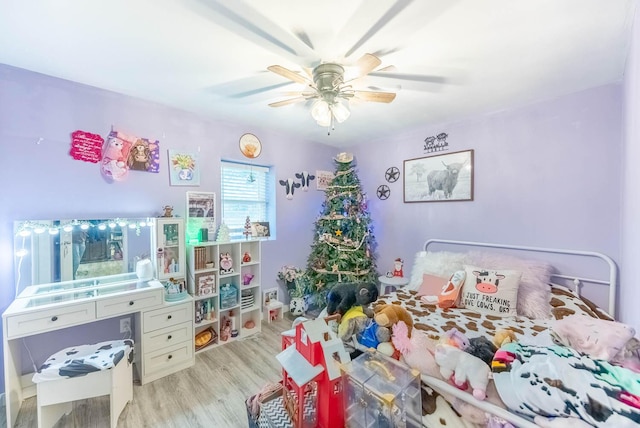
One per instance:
(489,291)
(81,360)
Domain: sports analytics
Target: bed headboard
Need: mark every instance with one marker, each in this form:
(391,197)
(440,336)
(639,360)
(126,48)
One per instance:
(567,274)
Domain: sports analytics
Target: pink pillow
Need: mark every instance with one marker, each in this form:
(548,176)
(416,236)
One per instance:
(431,285)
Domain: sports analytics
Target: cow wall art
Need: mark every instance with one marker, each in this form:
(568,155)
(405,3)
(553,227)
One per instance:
(440,178)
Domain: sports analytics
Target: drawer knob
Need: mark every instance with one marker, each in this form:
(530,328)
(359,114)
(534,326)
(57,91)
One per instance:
(169,317)
(169,337)
(131,303)
(169,357)
(54,318)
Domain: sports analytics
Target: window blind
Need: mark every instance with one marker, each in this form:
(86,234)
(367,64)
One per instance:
(245,192)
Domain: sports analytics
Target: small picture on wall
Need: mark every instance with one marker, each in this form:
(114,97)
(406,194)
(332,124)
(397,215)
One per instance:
(260,229)
(184,169)
(323,179)
(440,178)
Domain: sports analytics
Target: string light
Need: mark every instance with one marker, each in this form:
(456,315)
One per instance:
(26,228)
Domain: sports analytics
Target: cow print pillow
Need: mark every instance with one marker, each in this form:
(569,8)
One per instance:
(491,291)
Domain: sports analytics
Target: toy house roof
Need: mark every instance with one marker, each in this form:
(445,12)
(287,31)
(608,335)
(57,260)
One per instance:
(300,370)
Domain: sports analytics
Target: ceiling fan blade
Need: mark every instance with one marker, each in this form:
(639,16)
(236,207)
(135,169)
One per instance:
(394,10)
(367,63)
(287,102)
(246,21)
(387,69)
(376,97)
(298,93)
(415,77)
(291,75)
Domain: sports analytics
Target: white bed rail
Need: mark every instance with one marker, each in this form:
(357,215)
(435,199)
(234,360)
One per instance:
(613,271)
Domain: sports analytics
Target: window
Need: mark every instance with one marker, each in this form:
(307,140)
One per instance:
(245,192)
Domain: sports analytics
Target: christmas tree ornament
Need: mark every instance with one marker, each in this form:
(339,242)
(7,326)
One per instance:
(247,228)
(223,233)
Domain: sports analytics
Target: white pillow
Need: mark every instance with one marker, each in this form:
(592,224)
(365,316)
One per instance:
(438,263)
(493,292)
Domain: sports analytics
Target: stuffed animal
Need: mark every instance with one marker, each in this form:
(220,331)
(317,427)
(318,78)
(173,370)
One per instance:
(453,337)
(464,368)
(417,350)
(387,315)
(226,263)
(504,336)
(343,296)
(482,348)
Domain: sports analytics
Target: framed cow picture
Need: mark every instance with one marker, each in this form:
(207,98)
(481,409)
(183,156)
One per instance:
(441,178)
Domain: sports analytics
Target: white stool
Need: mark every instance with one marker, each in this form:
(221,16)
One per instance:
(113,378)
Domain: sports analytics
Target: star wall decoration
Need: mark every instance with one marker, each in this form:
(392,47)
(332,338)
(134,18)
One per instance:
(383,192)
(392,174)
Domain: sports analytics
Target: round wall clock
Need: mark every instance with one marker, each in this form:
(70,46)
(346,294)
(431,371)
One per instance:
(250,146)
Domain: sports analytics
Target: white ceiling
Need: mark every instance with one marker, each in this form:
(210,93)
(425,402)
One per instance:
(210,56)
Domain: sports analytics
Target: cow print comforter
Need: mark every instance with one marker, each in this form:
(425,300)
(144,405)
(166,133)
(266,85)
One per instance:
(435,322)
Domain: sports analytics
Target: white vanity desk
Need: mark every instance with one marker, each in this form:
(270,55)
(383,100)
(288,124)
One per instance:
(163,332)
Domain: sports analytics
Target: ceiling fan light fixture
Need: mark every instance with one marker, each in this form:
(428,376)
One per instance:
(340,112)
(320,111)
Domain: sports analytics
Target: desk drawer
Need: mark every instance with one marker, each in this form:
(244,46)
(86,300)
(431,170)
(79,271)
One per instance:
(50,319)
(167,336)
(165,358)
(168,316)
(128,304)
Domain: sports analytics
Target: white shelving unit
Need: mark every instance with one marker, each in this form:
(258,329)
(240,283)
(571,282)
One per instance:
(224,280)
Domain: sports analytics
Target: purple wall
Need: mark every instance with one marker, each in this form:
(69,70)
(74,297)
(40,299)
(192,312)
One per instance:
(630,294)
(546,175)
(43,181)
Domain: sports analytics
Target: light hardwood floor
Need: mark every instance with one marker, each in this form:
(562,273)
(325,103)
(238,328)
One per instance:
(210,394)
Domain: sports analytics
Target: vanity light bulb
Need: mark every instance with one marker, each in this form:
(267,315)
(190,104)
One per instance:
(102,226)
(21,253)
(39,230)
(132,226)
(53,231)
(143,224)
(67,228)
(112,225)
(84,226)
(122,223)
(24,232)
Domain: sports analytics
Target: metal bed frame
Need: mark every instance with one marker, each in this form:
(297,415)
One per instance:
(513,418)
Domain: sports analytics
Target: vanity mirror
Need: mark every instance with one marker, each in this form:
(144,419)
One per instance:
(48,251)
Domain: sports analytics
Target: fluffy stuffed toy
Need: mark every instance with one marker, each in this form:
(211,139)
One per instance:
(453,337)
(464,368)
(386,315)
(482,348)
(343,296)
(417,351)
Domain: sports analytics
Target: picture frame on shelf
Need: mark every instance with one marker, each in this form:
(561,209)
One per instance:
(205,284)
(270,295)
(260,229)
(441,178)
(201,216)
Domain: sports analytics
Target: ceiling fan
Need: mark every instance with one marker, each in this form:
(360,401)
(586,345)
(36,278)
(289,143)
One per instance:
(327,85)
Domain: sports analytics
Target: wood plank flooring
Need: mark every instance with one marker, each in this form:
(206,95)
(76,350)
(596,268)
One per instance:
(210,394)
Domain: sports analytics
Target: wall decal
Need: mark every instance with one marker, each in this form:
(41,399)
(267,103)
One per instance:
(436,144)
(383,192)
(250,146)
(305,178)
(392,174)
(86,146)
(290,186)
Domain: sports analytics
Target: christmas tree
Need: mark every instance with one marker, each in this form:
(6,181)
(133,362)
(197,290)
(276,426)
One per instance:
(223,233)
(344,245)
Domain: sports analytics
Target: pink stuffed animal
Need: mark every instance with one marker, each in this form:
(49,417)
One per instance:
(417,350)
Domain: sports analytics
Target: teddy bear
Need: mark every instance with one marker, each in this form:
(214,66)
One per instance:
(345,295)
(386,315)
(464,368)
(356,323)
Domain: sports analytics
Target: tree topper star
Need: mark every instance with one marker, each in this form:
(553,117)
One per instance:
(338,233)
